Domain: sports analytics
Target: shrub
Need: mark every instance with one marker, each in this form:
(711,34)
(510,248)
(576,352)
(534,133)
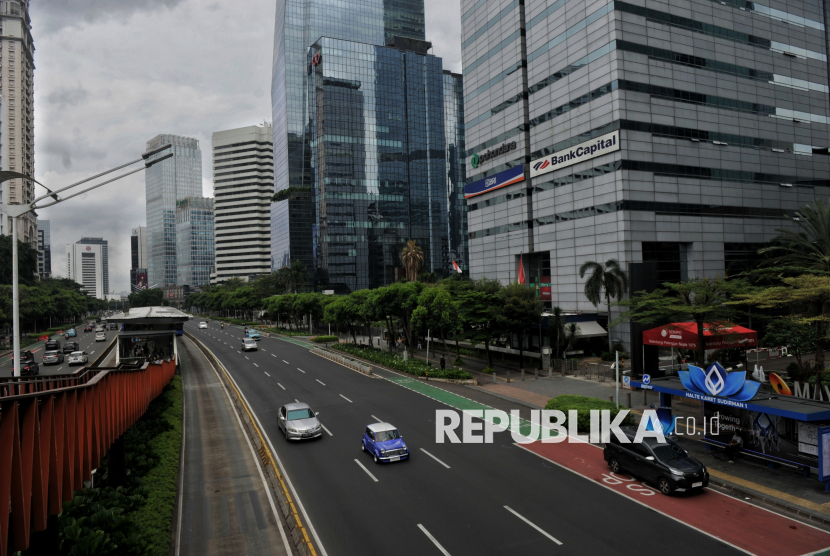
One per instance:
(325,339)
(583,405)
(286,332)
(489,370)
(395,361)
(458,362)
(605,356)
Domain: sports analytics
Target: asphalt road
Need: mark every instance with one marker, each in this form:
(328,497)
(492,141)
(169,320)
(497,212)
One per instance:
(85,339)
(454,499)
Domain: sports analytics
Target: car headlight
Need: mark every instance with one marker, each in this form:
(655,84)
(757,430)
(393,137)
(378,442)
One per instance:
(292,430)
(404,447)
(676,472)
(382,451)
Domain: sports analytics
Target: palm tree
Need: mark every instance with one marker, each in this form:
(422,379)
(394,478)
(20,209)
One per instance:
(297,274)
(412,257)
(806,250)
(611,279)
(556,325)
(571,333)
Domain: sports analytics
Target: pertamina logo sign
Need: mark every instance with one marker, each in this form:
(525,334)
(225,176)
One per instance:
(584,151)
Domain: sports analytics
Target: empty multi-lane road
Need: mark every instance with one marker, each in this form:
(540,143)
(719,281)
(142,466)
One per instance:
(448,498)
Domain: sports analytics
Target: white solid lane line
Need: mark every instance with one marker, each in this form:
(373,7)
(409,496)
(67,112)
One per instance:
(299,369)
(376,419)
(255,365)
(286,362)
(320,381)
(430,537)
(345,398)
(281,386)
(532,525)
(266,374)
(325,429)
(372,476)
(436,459)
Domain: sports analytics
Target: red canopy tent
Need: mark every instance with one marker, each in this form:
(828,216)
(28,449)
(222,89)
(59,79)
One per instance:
(683,335)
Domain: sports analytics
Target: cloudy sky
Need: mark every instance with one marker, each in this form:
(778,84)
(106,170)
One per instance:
(112,74)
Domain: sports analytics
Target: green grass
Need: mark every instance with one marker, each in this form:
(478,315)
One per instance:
(583,405)
(395,361)
(286,332)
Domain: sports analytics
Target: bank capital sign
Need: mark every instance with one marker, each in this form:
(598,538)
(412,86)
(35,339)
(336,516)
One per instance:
(718,383)
(568,157)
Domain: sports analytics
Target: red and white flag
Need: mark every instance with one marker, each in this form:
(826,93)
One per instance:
(456,267)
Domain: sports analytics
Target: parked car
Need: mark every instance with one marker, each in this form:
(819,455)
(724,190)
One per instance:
(100,337)
(203,324)
(249,344)
(52,345)
(297,420)
(254,334)
(71,333)
(52,357)
(69,347)
(384,442)
(666,465)
(78,358)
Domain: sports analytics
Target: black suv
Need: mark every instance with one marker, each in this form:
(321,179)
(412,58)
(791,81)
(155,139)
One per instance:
(667,465)
(52,345)
(69,347)
(28,367)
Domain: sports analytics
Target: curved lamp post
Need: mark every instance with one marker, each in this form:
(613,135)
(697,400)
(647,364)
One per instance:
(51,198)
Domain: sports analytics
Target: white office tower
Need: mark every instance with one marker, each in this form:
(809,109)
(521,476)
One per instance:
(84,264)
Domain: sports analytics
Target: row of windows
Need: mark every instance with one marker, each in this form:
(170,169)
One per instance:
(265,143)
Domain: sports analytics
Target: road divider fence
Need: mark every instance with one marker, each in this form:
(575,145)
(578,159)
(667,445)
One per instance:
(342,360)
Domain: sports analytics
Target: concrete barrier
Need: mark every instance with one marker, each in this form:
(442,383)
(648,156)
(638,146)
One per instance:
(345,361)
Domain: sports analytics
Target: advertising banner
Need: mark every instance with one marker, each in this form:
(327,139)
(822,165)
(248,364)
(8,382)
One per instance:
(584,151)
(771,436)
(543,288)
(490,183)
(683,335)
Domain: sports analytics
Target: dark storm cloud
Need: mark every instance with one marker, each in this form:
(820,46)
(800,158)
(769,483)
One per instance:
(66,96)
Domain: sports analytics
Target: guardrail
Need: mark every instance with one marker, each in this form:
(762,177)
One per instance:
(345,361)
(53,435)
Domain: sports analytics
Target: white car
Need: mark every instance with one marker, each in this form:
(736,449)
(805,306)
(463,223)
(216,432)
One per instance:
(202,324)
(78,358)
(249,344)
(100,337)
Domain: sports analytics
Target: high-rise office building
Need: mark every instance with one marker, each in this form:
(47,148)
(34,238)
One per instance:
(298,24)
(166,183)
(379,173)
(138,258)
(105,258)
(243,183)
(17,66)
(194,241)
(44,249)
(676,139)
(84,265)
(456,171)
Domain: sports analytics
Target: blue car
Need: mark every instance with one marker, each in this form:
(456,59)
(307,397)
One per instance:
(384,442)
(253,334)
(71,333)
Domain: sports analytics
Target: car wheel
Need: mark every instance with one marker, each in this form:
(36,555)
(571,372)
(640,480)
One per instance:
(665,486)
(614,465)
(375,457)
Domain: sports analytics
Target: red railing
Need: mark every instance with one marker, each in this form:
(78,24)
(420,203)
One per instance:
(53,435)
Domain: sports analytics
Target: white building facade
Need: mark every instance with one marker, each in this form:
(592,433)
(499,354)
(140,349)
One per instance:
(84,264)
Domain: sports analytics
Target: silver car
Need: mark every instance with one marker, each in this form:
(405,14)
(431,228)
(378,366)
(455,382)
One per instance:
(52,357)
(78,358)
(249,344)
(100,337)
(297,420)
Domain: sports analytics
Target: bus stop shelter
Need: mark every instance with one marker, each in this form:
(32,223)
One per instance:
(147,334)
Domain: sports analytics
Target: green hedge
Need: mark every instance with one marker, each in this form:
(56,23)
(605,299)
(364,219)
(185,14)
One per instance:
(325,339)
(135,519)
(286,332)
(394,361)
(583,405)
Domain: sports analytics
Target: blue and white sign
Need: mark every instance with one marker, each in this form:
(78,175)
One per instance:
(607,143)
(717,382)
(627,382)
(646,379)
(490,183)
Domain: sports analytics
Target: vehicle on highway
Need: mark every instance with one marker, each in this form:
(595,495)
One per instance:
(52,345)
(203,324)
(28,369)
(384,442)
(69,347)
(78,358)
(297,420)
(254,334)
(100,337)
(88,328)
(249,344)
(52,357)
(113,326)
(666,465)
(71,333)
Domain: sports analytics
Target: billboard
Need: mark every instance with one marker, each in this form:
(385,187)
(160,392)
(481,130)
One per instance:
(491,183)
(599,146)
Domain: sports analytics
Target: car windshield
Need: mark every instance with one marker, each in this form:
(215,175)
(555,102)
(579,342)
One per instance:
(383,436)
(249,341)
(669,452)
(51,353)
(300,414)
(77,353)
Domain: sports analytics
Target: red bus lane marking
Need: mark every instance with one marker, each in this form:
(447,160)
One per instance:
(742,525)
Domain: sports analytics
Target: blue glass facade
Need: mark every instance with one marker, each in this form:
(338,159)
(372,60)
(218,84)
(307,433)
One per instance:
(378,163)
(456,172)
(195,249)
(298,24)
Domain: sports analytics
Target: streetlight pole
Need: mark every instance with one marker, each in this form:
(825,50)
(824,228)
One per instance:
(17,210)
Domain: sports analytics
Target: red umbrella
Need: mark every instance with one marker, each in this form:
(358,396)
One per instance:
(683,335)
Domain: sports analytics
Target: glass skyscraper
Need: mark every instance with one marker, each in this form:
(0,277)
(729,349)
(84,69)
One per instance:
(299,23)
(195,250)
(167,182)
(378,163)
(456,171)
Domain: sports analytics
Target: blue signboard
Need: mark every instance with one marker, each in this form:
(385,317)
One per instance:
(506,177)
(824,455)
